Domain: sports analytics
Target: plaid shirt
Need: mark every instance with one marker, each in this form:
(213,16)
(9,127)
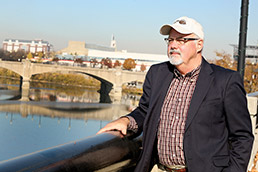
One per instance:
(172,118)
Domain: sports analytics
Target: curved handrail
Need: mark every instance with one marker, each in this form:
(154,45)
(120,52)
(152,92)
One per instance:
(103,152)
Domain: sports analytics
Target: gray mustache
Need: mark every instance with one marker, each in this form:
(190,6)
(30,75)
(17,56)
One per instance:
(174,51)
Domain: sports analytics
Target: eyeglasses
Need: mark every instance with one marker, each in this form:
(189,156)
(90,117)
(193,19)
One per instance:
(179,41)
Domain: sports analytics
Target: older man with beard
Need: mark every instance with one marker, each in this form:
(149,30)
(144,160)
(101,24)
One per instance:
(193,114)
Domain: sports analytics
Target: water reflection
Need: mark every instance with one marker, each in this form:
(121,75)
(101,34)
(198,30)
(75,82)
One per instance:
(87,96)
(59,93)
(55,115)
(10,90)
(28,127)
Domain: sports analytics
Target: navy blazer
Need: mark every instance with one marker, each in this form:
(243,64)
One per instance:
(218,132)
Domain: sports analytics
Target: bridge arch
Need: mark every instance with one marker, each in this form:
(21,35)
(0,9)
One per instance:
(105,87)
(10,69)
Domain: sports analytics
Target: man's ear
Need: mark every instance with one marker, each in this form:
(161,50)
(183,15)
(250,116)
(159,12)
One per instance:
(199,45)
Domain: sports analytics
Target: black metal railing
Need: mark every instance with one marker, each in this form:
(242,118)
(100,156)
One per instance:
(103,152)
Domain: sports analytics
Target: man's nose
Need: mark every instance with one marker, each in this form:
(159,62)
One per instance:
(173,45)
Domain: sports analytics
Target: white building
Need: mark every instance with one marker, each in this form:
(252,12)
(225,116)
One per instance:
(91,51)
(140,58)
(33,46)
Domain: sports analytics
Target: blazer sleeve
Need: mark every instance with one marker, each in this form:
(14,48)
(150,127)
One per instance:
(239,123)
(140,112)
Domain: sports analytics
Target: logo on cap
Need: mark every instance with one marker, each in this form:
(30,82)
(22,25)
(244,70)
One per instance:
(180,21)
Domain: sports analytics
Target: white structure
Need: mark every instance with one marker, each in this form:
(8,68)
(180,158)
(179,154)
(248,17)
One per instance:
(33,46)
(140,58)
(91,51)
(113,42)
(251,53)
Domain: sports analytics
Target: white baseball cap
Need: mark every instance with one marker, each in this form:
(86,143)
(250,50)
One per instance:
(184,25)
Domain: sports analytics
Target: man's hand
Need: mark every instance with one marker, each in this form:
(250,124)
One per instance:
(120,124)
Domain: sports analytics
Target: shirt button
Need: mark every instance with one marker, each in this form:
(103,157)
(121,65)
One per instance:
(174,155)
(179,100)
(173,135)
(176,117)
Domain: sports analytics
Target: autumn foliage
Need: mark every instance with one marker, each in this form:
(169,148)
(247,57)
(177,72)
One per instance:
(143,67)
(129,64)
(251,70)
(117,64)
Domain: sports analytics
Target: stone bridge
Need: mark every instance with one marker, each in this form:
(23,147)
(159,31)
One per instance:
(111,79)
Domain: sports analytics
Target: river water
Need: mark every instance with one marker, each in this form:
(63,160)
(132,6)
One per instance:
(54,115)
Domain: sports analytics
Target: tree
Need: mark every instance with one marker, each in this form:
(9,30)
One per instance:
(93,62)
(251,70)
(102,63)
(14,55)
(51,54)
(2,54)
(78,60)
(129,64)
(55,59)
(40,55)
(225,60)
(108,62)
(250,78)
(143,67)
(18,55)
(117,64)
(29,56)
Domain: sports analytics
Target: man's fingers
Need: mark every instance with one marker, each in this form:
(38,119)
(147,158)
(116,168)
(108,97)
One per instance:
(103,130)
(119,124)
(124,131)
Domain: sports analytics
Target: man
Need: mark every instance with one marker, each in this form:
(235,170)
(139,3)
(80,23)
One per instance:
(193,114)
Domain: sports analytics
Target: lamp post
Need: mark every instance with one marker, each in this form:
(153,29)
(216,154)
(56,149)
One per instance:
(242,38)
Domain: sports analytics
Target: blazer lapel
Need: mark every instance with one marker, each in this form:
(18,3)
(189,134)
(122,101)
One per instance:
(202,86)
(165,77)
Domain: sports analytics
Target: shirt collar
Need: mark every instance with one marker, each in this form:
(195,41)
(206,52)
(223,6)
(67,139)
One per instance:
(193,75)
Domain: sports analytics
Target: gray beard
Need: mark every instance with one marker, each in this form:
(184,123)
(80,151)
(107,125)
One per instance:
(175,61)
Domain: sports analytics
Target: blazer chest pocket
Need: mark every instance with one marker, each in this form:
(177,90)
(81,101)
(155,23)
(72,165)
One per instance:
(221,161)
(210,102)
(211,107)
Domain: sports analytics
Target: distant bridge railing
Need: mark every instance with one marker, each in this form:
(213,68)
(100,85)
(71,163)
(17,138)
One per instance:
(101,153)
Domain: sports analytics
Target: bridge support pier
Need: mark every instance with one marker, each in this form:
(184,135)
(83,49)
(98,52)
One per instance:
(25,87)
(104,92)
(116,93)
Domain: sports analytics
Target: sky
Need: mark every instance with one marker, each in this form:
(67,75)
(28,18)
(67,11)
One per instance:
(135,24)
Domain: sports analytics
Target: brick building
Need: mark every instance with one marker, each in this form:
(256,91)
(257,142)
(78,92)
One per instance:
(33,46)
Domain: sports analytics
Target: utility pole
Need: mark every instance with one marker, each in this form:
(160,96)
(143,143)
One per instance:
(242,38)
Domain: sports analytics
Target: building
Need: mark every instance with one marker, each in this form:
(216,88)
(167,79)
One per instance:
(98,52)
(33,46)
(251,53)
